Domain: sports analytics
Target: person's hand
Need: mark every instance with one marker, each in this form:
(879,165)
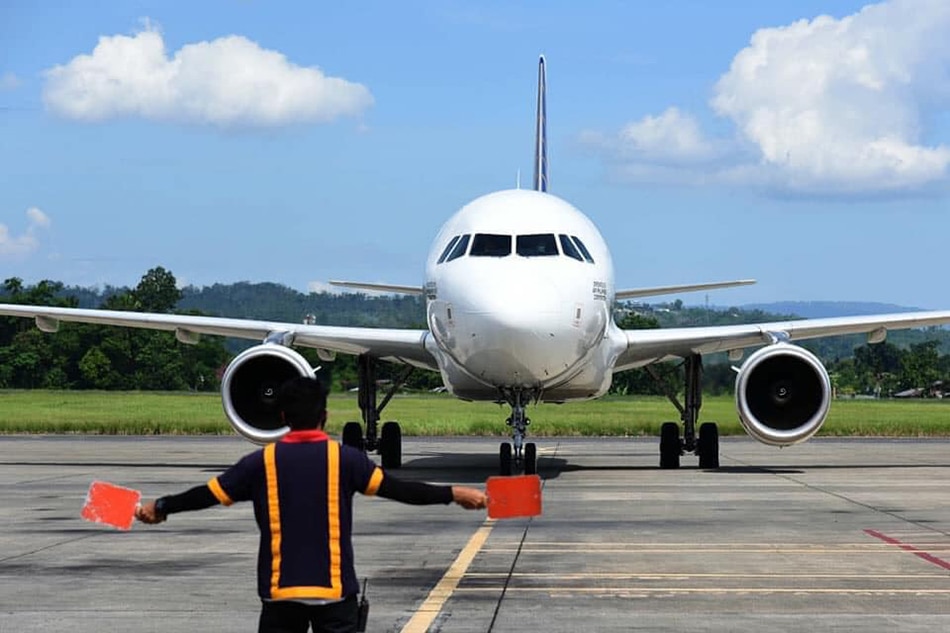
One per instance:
(146,514)
(469,498)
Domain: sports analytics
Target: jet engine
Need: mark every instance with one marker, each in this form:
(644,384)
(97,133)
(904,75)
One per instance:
(782,394)
(249,389)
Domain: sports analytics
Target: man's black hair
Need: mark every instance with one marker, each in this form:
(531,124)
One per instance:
(303,401)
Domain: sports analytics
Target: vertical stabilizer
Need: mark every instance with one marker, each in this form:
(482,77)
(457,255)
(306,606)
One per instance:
(541,132)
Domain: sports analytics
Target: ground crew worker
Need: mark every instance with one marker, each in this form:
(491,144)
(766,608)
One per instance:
(302,489)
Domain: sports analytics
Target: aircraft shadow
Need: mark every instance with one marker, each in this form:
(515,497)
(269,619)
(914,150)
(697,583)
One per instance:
(788,470)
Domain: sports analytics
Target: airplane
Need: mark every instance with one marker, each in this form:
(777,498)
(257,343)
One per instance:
(519,294)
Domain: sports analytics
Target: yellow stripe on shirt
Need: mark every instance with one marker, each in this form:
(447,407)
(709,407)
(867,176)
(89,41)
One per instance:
(333,509)
(215,486)
(273,514)
(374,482)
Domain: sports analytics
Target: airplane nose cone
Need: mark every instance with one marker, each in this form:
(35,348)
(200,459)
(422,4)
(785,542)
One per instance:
(510,334)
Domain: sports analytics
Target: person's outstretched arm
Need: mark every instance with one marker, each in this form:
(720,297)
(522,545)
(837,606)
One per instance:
(197,498)
(419,493)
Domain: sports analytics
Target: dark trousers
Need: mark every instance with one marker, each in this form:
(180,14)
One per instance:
(284,616)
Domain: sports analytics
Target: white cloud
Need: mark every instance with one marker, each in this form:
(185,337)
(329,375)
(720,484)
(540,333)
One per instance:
(37,218)
(8,82)
(837,104)
(671,136)
(822,106)
(230,81)
(18,246)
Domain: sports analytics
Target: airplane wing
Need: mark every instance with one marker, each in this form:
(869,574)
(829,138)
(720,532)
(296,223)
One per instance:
(390,288)
(648,346)
(396,345)
(656,291)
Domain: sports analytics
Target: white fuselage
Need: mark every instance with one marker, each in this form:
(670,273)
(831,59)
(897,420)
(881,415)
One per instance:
(532,314)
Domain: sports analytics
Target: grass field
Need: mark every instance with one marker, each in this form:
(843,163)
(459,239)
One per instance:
(149,413)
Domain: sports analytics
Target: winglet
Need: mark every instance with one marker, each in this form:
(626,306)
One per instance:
(541,134)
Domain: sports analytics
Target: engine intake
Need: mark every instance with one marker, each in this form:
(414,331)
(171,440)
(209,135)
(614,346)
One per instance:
(783,394)
(249,390)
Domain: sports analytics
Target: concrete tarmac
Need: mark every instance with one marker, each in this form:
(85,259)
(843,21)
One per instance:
(833,535)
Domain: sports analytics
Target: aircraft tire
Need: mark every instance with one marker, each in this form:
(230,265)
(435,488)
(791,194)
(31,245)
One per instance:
(530,458)
(353,435)
(504,459)
(670,447)
(708,446)
(390,445)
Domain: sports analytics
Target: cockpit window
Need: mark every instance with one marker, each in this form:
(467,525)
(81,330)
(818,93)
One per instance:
(489,245)
(568,248)
(537,245)
(448,249)
(460,247)
(583,249)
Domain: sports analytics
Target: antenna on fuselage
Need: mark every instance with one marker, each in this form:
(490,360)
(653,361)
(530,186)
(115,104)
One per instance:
(541,134)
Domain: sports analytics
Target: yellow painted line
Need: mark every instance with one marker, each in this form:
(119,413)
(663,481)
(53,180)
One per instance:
(649,575)
(702,590)
(697,550)
(443,590)
(724,544)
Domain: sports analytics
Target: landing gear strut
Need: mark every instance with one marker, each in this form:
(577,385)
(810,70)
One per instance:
(388,441)
(518,455)
(706,444)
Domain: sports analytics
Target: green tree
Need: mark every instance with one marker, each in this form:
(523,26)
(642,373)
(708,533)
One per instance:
(639,381)
(157,291)
(921,365)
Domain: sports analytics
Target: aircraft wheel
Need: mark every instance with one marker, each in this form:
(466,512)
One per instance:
(670,446)
(530,459)
(708,445)
(353,435)
(504,459)
(390,445)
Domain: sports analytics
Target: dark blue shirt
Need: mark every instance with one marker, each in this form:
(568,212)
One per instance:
(302,489)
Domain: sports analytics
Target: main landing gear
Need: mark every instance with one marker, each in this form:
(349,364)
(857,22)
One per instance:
(706,444)
(387,441)
(518,455)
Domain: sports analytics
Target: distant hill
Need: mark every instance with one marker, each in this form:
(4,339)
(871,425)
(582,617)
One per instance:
(821,309)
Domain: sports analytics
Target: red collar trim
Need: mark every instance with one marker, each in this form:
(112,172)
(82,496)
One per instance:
(308,435)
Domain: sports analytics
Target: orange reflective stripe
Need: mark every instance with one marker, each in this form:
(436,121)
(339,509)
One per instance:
(333,510)
(273,513)
(215,486)
(290,593)
(374,482)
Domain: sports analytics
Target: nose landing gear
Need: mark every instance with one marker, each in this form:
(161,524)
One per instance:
(518,455)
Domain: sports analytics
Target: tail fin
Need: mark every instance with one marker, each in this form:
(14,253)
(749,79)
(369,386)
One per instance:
(541,132)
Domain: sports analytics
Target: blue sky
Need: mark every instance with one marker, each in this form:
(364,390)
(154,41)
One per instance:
(301,142)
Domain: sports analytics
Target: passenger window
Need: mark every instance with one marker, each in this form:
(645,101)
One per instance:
(448,249)
(488,245)
(582,248)
(568,248)
(460,247)
(538,245)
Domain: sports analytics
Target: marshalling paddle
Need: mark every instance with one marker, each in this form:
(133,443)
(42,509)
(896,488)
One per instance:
(111,505)
(511,497)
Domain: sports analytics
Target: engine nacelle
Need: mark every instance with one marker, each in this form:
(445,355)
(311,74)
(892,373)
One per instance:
(783,394)
(249,390)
